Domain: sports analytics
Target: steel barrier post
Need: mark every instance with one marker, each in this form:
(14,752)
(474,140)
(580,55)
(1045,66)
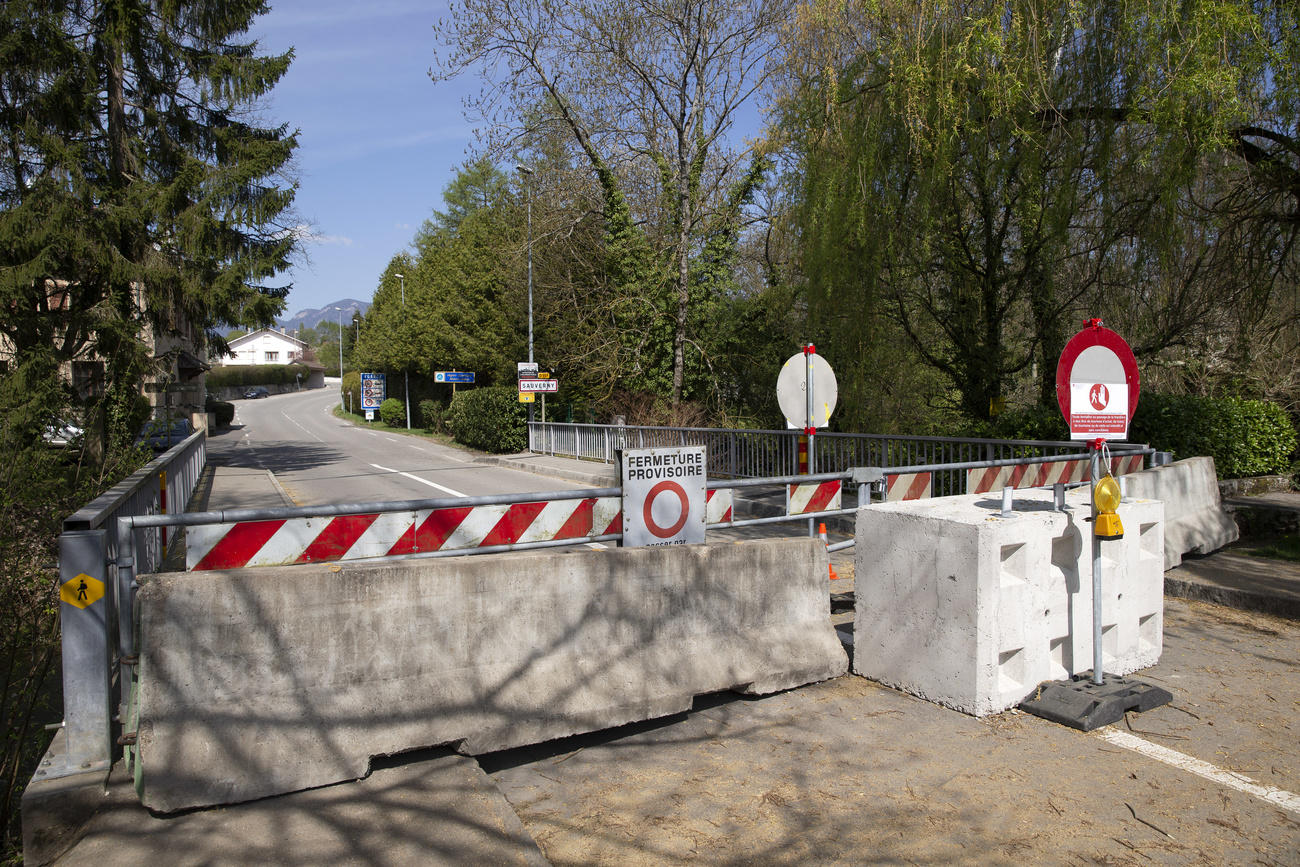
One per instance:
(85,610)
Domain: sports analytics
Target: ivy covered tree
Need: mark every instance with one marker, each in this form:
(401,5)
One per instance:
(137,187)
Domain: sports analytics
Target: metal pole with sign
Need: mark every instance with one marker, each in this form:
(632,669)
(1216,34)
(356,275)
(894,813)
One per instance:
(806,391)
(1097,388)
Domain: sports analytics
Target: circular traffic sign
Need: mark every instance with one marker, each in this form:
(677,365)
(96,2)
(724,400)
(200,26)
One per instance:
(1094,364)
(647,511)
(792,390)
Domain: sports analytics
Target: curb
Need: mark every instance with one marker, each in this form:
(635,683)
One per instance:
(1243,600)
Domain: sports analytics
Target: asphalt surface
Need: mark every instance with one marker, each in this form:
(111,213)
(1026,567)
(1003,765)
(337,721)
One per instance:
(845,771)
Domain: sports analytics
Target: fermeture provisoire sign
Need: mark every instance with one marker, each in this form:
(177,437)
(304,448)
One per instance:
(663,496)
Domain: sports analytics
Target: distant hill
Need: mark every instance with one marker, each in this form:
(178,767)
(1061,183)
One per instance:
(330,313)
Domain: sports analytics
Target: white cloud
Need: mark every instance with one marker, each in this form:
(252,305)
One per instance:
(308,235)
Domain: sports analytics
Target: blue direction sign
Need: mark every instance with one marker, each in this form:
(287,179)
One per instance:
(453,376)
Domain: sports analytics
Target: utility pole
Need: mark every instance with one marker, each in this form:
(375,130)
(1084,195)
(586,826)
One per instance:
(528,173)
(406,373)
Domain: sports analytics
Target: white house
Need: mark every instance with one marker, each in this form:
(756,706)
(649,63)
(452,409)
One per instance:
(266,346)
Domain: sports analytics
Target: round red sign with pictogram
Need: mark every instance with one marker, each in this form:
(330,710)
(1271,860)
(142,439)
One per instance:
(1097,384)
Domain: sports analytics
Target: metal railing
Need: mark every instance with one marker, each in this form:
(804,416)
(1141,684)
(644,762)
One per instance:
(92,614)
(734,454)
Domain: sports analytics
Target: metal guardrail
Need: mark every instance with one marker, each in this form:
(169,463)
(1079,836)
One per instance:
(735,454)
(89,546)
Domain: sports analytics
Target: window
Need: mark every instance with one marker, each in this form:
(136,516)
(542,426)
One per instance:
(88,378)
(272,357)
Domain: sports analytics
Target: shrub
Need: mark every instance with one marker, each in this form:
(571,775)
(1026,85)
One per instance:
(491,419)
(1245,437)
(392,413)
(240,375)
(433,416)
(352,391)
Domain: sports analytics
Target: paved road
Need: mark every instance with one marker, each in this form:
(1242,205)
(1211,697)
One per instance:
(319,458)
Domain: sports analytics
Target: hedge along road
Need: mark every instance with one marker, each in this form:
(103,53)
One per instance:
(319,458)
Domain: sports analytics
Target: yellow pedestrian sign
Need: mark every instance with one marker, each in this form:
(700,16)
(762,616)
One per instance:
(82,591)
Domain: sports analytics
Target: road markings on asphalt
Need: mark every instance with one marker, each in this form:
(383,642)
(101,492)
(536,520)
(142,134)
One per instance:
(1277,797)
(422,481)
(295,422)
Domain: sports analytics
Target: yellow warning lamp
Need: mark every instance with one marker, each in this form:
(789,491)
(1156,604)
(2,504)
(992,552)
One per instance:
(1105,499)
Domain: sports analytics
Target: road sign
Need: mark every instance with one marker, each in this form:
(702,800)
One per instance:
(1097,384)
(792,390)
(453,376)
(663,496)
(81,590)
(526,385)
(527,397)
(372,390)
(526,370)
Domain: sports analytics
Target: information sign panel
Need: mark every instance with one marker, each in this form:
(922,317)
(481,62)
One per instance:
(1097,384)
(372,390)
(453,376)
(526,385)
(663,496)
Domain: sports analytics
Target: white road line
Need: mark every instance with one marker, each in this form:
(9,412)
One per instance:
(1277,797)
(422,481)
(294,422)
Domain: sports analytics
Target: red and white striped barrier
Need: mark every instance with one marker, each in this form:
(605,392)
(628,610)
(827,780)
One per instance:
(813,497)
(718,506)
(391,534)
(907,486)
(986,479)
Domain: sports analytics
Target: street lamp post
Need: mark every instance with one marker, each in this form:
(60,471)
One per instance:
(524,170)
(338,317)
(405,373)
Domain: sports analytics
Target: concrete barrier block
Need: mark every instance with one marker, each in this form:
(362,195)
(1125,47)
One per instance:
(1195,520)
(972,610)
(256,682)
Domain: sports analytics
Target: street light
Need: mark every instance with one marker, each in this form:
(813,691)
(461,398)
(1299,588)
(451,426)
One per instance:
(524,170)
(406,373)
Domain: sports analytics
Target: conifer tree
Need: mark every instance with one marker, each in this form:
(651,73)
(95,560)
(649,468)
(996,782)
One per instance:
(138,186)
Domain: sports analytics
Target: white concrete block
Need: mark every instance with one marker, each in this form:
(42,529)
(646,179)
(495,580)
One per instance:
(1195,520)
(972,610)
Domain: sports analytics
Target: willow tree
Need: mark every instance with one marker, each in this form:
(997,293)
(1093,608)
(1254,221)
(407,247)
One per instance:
(137,186)
(648,90)
(995,170)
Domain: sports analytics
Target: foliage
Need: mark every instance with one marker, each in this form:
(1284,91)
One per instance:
(1245,437)
(644,93)
(39,487)
(257,374)
(392,412)
(433,416)
(491,419)
(136,191)
(1285,548)
(351,387)
(976,178)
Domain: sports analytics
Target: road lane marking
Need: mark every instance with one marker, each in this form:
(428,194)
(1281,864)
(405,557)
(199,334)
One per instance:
(295,422)
(1277,797)
(422,481)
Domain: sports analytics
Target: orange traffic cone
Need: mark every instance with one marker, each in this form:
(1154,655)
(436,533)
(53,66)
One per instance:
(821,531)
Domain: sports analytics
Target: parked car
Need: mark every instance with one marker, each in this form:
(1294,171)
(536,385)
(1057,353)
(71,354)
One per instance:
(61,434)
(256,391)
(162,435)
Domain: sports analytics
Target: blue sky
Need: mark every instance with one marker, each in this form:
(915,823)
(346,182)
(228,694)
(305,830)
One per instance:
(378,139)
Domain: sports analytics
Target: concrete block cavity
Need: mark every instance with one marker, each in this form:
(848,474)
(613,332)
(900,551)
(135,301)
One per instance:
(972,610)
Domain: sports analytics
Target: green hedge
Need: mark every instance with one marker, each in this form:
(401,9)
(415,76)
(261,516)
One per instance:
(392,412)
(1245,437)
(491,419)
(433,414)
(257,374)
